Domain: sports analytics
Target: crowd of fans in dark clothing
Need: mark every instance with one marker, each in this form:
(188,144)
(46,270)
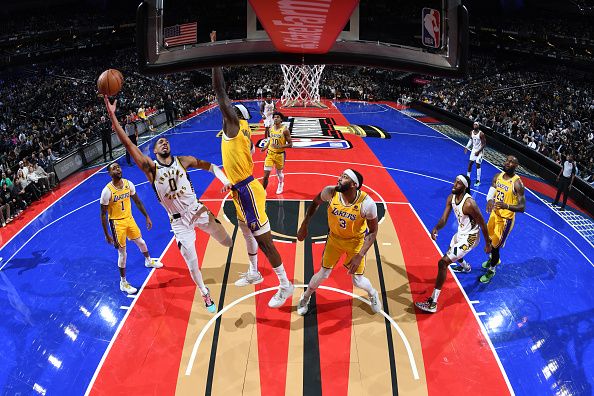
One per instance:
(548,109)
(49,110)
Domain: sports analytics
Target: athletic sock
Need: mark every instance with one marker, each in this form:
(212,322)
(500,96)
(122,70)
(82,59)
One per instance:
(282,276)
(253,263)
(468,174)
(478,174)
(435,295)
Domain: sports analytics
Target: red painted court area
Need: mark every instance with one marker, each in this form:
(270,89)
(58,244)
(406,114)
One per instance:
(145,357)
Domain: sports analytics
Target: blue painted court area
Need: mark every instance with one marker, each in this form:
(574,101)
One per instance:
(62,305)
(538,309)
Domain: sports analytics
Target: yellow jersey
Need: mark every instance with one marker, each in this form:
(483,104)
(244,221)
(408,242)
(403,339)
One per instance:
(346,221)
(237,154)
(277,137)
(505,192)
(119,206)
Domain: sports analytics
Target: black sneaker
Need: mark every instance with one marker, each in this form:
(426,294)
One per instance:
(461,268)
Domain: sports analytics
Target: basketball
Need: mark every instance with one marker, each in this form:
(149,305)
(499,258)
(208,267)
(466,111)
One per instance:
(110,82)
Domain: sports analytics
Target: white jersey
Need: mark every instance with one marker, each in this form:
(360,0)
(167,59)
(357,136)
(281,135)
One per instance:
(466,224)
(476,141)
(268,109)
(174,188)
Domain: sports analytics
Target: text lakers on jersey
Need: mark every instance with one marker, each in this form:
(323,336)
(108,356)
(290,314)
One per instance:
(118,199)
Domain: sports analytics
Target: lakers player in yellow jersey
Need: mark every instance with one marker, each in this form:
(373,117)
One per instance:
(279,139)
(353,224)
(504,200)
(115,205)
(248,194)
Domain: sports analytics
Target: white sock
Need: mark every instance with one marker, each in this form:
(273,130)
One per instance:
(468,174)
(253,263)
(435,295)
(281,176)
(282,276)
(478,174)
(122,278)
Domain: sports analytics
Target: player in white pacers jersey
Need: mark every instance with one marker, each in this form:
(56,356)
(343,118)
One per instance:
(469,219)
(476,145)
(169,177)
(267,109)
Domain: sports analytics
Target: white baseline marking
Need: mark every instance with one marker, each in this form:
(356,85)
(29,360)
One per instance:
(481,326)
(409,351)
(115,335)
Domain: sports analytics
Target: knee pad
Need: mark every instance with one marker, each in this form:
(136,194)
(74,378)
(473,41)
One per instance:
(141,244)
(250,240)
(122,257)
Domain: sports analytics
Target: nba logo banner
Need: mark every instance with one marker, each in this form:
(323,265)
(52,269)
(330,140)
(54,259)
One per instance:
(431,28)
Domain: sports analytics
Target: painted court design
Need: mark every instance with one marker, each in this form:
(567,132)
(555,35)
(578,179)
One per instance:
(68,330)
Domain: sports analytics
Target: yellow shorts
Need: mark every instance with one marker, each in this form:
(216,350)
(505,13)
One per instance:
(336,247)
(276,160)
(499,229)
(249,198)
(124,228)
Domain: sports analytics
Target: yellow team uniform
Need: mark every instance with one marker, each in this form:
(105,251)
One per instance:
(119,210)
(275,156)
(248,194)
(347,231)
(501,221)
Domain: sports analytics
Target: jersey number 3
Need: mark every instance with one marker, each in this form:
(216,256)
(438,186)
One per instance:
(342,223)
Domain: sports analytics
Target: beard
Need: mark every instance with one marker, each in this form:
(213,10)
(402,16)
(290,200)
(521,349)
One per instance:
(509,171)
(341,187)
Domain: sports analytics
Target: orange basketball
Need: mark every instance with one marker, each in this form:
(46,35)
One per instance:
(110,82)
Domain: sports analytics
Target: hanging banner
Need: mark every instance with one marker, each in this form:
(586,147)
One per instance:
(303,26)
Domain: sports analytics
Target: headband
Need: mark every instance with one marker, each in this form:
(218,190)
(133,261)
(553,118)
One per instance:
(463,180)
(353,177)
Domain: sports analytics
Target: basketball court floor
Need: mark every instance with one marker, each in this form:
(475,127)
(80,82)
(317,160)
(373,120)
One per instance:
(66,329)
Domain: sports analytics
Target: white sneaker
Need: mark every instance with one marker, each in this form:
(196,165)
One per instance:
(153,263)
(279,189)
(303,304)
(128,288)
(249,278)
(376,304)
(281,296)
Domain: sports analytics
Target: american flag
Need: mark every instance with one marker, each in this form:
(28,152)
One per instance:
(180,34)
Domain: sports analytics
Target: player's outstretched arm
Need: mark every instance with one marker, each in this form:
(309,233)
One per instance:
(444,218)
(230,119)
(189,161)
(302,233)
(143,162)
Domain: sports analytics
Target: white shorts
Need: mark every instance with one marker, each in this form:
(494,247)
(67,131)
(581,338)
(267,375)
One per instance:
(476,158)
(268,122)
(184,228)
(461,245)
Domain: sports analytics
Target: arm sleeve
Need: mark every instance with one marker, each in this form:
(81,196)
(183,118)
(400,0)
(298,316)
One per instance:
(327,193)
(105,196)
(368,208)
(132,188)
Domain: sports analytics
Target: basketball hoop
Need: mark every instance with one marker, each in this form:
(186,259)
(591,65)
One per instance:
(302,85)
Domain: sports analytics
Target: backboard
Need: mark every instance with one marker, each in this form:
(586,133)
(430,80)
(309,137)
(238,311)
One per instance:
(427,36)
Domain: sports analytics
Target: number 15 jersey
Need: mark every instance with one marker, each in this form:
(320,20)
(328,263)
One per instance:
(173,187)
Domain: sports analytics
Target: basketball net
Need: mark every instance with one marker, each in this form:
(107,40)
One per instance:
(302,85)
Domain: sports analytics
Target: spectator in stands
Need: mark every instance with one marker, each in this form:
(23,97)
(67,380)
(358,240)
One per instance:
(105,131)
